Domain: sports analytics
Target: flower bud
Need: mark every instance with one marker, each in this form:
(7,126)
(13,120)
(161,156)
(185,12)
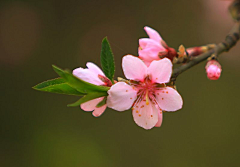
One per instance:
(213,69)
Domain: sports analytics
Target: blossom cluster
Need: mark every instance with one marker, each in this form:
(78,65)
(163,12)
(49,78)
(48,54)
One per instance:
(147,90)
(144,91)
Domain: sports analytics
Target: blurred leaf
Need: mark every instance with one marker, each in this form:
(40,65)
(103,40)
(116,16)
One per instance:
(57,85)
(107,60)
(78,84)
(88,97)
(103,102)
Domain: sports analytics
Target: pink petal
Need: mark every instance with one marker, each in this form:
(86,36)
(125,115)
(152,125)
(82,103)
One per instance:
(134,68)
(91,105)
(148,54)
(147,63)
(89,74)
(153,34)
(160,70)
(169,99)
(150,43)
(160,117)
(94,68)
(143,42)
(145,116)
(121,96)
(99,110)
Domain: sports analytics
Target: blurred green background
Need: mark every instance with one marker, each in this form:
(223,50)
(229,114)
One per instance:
(38,129)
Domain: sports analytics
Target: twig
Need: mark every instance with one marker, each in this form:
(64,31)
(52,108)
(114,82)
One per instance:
(228,43)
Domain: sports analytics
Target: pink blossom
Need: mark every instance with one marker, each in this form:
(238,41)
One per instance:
(146,91)
(94,75)
(154,47)
(149,48)
(213,69)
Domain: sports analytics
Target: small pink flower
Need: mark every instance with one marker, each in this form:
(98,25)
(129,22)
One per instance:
(94,75)
(213,69)
(149,48)
(146,91)
(154,47)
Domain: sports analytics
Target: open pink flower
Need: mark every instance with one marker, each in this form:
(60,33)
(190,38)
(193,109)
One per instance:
(213,69)
(146,91)
(150,48)
(94,75)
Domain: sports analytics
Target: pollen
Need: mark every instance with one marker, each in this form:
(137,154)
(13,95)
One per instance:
(166,91)
(126,90)
(163,91)
(137,111)
(151,115)
(162,98)
(130,98)
(142,106)
(139,115)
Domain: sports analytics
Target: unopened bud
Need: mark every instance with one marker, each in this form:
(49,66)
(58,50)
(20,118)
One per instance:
(213,69)
(181,51)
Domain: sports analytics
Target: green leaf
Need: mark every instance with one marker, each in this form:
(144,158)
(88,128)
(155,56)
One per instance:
(78,84)
(57,85)
(88,97)
(107,60)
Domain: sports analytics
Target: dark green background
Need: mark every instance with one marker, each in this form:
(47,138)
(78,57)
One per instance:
(38,129)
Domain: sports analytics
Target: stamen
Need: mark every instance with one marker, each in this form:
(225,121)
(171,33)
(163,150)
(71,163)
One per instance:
(147,99)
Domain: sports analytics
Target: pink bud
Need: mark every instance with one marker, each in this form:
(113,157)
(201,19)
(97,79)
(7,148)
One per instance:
(213,69)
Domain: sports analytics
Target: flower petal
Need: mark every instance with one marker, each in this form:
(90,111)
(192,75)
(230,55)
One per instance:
(89,74)
(153,34)
(143,43)
(169,99)
(94,68)
(160,117)
(145,116)
(91,105)
(99,110)
(160,70)
(134,68)
(150,43)
(148,54)
(121,96)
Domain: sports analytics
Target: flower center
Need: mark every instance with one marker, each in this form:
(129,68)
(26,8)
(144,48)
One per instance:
(146,90)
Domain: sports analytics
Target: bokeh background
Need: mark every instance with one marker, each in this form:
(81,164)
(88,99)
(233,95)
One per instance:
(38,129)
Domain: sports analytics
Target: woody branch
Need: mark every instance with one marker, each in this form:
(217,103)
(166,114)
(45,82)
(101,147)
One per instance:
(230,40)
